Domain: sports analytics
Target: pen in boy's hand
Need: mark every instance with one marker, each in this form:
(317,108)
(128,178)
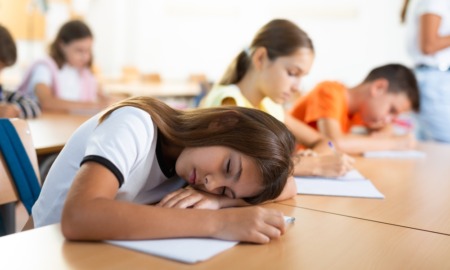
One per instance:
(331,145)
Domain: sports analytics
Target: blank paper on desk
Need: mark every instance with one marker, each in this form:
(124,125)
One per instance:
(353,184)
(188,250)
(395,154)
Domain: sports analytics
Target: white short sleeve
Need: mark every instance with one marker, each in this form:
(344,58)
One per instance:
(40,74)
(134,133)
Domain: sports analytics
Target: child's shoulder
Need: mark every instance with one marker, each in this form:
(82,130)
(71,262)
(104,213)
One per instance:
(330,88)
(331,85)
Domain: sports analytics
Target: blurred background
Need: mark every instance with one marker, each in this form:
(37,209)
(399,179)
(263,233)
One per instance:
(176,39)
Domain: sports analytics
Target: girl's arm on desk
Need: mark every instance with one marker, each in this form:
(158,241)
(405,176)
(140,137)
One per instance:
(193,198)
(91,213)
(49,102)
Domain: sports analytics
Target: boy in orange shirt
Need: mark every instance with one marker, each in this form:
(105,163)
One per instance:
(333,109)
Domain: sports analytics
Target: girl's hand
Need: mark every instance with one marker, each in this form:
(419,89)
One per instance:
(306,153)
(333,165)
(191,198)
(249,224)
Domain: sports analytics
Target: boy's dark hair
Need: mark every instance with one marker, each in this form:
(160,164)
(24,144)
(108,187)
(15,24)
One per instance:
(8,50)
(401,80)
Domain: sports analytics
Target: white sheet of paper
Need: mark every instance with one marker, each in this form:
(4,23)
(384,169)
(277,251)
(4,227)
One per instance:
(353,184)
(187,250)
(395,154)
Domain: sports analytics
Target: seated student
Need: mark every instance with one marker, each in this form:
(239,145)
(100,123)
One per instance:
(332,108)
(12,104)
(64,82)
(264,76)
(133,155)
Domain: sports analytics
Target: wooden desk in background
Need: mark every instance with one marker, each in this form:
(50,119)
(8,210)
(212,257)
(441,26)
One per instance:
(416,192)
(51,131)
(162,89)
(316,241)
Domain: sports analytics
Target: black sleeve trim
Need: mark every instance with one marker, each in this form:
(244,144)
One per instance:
(108,164)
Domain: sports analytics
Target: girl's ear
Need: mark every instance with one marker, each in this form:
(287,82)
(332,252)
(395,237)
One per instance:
(379,87)
(259,57)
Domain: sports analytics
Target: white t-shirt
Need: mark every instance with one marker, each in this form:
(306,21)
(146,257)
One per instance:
(68,78)
(415,11)
(126,143)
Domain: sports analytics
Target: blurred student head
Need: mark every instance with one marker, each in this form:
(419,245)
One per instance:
(73,45)
(281,53)
(8,50)
(392,90)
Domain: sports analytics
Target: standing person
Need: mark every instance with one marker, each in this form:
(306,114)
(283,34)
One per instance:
(264,76)
(64,82)
(12,104)
(133,155)
(428,36)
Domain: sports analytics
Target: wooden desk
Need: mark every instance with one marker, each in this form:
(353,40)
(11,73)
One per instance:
(416,192)
(51,131)
(316,241)
(162,89)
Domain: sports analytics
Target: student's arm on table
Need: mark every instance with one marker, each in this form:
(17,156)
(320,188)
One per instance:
(194,198)
(304,134)
(357,144)
(91,213)
(326,163)
(51,103)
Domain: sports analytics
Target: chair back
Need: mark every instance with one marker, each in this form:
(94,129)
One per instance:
(8,192)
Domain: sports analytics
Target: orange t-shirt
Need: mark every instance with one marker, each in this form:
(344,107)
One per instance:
(327,100)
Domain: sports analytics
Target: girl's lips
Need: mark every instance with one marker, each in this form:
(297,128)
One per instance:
(192,177)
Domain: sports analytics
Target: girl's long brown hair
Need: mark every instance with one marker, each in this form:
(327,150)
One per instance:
(251,132)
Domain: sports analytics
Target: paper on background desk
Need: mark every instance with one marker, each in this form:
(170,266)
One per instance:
(187,250)
(353,184)
(395,154)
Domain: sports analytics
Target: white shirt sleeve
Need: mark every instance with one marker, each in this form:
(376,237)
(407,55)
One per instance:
(124,139)
(438,7)
(41,74)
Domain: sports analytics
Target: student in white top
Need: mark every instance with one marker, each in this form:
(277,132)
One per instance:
(64,81)
(428,33)
(117,165)
(265,76)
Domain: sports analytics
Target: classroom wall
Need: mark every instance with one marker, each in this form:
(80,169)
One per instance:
(180,37)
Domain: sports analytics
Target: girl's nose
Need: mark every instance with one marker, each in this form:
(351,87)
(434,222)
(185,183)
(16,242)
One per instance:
(296,85)
(212,183)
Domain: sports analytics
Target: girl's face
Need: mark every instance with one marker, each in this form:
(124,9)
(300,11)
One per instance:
(78,52)
(280,78)
(219,170)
